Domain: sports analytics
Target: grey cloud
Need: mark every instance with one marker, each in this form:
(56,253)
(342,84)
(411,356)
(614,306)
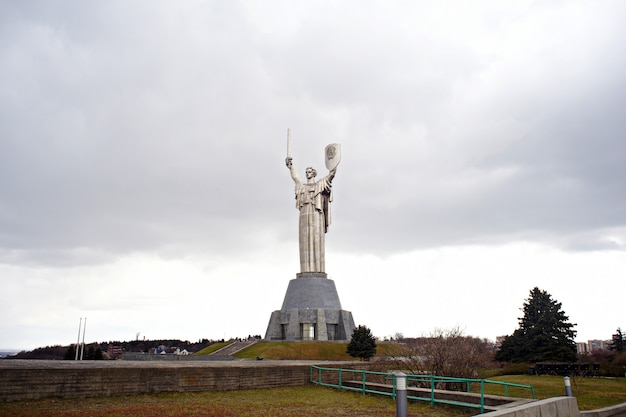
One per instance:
(165,127)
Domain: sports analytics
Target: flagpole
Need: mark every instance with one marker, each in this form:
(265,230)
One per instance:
(80,324)
(82,349)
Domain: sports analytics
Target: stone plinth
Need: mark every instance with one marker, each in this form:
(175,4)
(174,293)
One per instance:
(311,311)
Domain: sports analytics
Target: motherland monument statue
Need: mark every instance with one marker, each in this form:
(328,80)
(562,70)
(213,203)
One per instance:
(313,200)
(311,309)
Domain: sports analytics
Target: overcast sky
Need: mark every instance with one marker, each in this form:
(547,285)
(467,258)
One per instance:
(143,183)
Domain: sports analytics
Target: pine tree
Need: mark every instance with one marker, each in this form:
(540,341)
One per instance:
(544,333)
(70,355)
(363,344)
(98,354)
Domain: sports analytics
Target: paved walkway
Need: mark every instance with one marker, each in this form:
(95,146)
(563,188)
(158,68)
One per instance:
(233,348)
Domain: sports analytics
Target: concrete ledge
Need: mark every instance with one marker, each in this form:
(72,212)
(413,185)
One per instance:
(550,407)
(616,410)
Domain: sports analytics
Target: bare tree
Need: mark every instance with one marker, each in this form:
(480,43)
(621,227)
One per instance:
(446,352)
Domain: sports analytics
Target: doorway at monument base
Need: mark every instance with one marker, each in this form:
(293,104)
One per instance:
(311,311)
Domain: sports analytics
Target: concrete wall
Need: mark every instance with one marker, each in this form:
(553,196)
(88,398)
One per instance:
(551,407)
(615,411)
(28,379)
(34,382)
(137,356)
(558,407)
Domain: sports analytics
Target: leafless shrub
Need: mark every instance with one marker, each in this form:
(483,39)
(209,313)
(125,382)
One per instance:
(445,352)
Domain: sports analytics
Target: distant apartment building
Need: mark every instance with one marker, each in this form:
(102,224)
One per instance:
(499,340)
(581,347)
(592,345)
(114,352)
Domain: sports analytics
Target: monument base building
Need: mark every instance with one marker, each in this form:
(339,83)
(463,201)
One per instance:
(311,311)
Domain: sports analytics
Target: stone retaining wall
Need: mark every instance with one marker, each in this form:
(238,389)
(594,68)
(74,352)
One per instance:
(31,379)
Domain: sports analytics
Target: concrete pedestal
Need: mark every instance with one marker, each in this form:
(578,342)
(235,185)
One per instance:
(311,311)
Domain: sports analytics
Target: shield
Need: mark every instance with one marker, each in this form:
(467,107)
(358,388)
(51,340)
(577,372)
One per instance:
(332,155)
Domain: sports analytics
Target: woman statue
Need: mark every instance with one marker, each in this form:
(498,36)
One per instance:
(313,200)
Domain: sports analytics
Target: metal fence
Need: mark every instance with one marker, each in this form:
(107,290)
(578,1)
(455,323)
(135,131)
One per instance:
(431,388)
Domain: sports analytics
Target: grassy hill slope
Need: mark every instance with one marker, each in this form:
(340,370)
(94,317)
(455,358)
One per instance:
(329,351)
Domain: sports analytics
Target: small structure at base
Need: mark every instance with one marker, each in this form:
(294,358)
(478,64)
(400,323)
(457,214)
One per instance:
(311,311)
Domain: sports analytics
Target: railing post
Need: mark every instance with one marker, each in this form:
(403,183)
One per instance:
(432,390)
(401,397)
(340,379)
(364,378)
(482,396)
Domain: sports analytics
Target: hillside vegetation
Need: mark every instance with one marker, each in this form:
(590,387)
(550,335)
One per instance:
(327,351)
(590,393)
(212,348)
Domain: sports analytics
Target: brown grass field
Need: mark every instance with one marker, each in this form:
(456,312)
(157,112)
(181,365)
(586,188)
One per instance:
(333,351)
(275,402)
(590,393)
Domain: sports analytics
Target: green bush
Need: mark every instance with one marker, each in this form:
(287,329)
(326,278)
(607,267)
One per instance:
(507,369)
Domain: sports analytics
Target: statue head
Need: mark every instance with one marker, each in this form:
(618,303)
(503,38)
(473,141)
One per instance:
(311,173)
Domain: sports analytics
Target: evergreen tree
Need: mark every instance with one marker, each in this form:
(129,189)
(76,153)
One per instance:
(544,333)
(98,354)
(70,355)
(617,342)
(363,344)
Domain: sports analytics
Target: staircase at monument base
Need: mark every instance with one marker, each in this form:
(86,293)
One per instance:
(233,348)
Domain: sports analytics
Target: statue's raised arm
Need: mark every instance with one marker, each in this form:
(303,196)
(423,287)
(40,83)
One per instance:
(292,170)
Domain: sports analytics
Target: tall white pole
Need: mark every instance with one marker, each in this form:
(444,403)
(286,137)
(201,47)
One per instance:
(82,348)
(80,323)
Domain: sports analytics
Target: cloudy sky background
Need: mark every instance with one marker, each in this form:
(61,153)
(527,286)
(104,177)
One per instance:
(143,185)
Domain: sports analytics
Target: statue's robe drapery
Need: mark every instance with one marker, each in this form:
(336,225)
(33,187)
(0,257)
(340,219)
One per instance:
(313,202)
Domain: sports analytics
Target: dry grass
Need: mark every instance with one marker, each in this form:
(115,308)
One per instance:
(212,348)
(590,393)
(275,402)
(297,350)
(331,351)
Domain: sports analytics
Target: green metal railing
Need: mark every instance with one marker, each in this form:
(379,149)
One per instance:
(384,383)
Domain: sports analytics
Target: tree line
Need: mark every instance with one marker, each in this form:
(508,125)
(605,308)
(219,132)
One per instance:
(544,335)
(96,351)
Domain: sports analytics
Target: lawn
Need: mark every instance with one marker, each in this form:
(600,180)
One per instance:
(275,402)
(212,348)
(590,393)
(296,350)
(331,351)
